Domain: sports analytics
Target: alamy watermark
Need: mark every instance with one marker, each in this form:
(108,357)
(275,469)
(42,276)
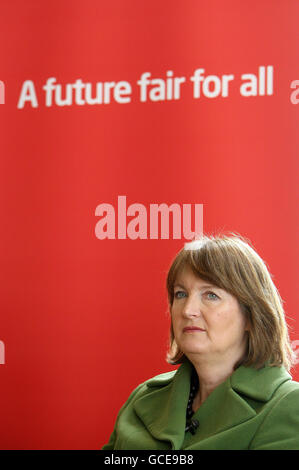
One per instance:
(2,352)
(2,92)
(295,347)
(144,223)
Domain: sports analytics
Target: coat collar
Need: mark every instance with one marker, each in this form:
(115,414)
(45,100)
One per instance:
(258,384)
(163,407)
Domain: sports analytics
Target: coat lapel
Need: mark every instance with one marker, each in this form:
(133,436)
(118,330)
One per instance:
(163,408)
(223,409)
(228,405)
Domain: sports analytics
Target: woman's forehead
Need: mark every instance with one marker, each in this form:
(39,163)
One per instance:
(186,275)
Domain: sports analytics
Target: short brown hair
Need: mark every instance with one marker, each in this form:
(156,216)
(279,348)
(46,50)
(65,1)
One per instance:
(231,263)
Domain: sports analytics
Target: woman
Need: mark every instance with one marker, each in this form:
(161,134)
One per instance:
(233,389)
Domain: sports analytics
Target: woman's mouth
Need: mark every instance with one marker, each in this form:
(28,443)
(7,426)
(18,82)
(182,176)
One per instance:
(190,329)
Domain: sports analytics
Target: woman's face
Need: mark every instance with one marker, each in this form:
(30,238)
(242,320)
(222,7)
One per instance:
(207,321)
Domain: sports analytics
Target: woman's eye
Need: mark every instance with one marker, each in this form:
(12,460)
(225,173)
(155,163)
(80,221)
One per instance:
(179,294)
(212,296)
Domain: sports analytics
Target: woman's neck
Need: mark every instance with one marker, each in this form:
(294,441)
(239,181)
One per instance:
(210,375)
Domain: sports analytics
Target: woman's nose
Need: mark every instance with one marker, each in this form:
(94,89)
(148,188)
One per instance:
(192,307)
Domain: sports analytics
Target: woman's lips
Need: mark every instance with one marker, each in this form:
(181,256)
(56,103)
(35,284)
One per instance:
(190,329)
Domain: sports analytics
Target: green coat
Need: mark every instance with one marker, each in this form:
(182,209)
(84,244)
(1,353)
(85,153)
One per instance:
(252,409)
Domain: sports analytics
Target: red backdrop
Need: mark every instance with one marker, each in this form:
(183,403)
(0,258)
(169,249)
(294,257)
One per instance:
(84,320)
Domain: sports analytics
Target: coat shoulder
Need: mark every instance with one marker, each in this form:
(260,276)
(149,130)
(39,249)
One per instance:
(161,380)
(287,388)
(279,429)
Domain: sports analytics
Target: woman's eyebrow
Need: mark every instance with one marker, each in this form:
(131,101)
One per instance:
(179,285)
(202,287)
